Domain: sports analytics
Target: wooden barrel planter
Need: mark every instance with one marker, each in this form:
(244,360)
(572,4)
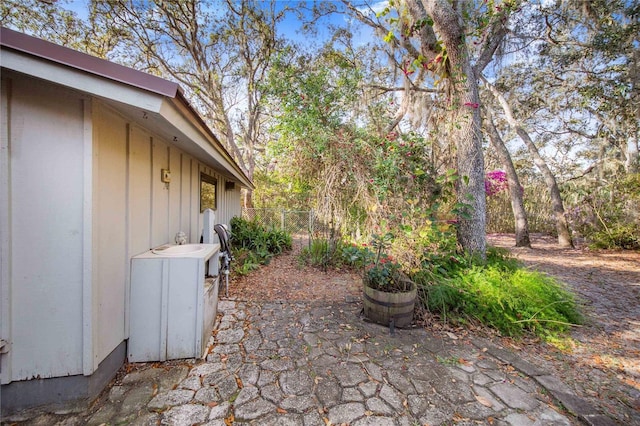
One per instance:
(381,306)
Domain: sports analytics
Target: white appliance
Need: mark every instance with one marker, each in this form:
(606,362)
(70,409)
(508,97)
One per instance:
(173,305)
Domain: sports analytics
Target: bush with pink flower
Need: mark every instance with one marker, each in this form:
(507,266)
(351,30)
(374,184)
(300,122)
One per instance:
(495,182)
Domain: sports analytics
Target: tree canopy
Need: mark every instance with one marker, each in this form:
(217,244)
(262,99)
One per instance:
(379,122)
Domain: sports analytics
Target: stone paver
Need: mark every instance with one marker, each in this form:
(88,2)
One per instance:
(513,396)
(303,364)
(187,414)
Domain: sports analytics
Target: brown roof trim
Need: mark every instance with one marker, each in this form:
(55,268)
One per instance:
(110,70)
(82,61)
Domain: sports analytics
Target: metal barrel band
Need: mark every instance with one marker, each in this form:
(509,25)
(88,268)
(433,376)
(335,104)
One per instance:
(402,315)
(389,304)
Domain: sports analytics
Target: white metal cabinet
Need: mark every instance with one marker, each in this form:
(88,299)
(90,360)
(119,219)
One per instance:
(172,310)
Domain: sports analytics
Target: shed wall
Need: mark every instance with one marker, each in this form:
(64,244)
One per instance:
(136,211)
(43,197)
(81,193)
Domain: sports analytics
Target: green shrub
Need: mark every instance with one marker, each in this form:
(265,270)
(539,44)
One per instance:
(246,234)
(444,299)
(502,295)
(317,254)
(356,256)
(322,252)
(606,214)
(278,241)
(500,257)
(620,235)
(336,253)
(253,245)
(245,261)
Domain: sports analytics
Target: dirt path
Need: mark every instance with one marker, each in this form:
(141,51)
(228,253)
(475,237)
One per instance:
(286,278)
(601,361)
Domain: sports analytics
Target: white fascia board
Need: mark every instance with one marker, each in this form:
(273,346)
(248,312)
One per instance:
(188,129)
(80,80)
(122,93)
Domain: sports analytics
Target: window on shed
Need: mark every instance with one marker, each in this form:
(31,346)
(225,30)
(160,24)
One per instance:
(208,192)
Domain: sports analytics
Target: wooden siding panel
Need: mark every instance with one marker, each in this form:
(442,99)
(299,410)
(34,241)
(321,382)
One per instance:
(196,217)
(46,181)
(232,203)
(175,187)
(186,212)
(5,229)
(110,213)
(139,187)
(159,194)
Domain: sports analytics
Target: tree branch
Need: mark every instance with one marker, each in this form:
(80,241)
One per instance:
(384,89)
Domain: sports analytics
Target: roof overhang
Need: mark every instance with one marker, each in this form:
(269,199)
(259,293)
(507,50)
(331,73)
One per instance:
(151,101)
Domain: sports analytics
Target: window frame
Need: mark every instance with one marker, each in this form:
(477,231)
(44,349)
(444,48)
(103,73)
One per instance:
(207,179)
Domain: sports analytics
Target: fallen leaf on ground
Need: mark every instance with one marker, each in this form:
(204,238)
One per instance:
(484,401)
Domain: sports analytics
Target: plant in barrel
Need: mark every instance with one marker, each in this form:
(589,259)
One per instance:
(389,295)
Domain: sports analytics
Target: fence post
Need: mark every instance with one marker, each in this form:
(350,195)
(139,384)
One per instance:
(311,220)
(282,218)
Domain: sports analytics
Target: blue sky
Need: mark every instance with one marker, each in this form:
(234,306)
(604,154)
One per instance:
(290,27)
(80,7)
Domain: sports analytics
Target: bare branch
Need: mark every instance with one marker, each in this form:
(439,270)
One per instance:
(385,89)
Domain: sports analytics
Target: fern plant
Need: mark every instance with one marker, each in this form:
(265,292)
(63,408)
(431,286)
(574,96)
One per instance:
(500,294)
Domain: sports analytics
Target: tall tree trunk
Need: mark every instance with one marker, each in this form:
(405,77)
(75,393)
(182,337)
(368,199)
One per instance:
(247,202)
(564,235)
(248,194)
(515,189)
(632,163)
(466,118)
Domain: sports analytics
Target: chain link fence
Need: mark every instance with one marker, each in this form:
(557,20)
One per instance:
(299,223)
